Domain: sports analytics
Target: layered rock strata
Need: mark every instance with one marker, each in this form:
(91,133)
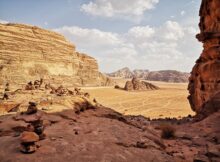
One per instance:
(205,76)
(30,53)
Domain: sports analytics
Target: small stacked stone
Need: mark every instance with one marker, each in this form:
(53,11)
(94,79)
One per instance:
(39,128)
(32,108)
(38,83)
(6,94)
(7,87)
(28,140)
(34,131)
(36,124)
(29,86)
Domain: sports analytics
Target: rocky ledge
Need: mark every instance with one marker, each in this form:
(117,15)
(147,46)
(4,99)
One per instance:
(96,133)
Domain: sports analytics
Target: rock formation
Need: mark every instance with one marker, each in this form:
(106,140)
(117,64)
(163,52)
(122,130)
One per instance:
(137,85)
(30,53)
(204,83)
(163,75)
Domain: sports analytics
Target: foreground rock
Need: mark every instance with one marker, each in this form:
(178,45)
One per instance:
(194,141)
(29,53)
(205,77)
(137,85)
(93,135)
(101,134)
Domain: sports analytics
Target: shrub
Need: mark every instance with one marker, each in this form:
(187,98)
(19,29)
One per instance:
(167,131)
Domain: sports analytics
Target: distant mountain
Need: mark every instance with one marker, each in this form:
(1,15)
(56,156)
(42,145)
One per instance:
(168,76)
(140,73)
(122,73)
(162,75)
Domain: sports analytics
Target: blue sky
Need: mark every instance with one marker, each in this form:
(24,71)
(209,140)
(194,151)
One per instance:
(140,34)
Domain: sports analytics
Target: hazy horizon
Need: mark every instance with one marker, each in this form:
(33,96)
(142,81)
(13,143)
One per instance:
(153,35)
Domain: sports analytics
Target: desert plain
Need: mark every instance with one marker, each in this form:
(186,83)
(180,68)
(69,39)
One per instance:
(169,101)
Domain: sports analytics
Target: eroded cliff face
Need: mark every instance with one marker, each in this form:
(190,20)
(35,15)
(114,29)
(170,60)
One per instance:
(29,53)
(205,77)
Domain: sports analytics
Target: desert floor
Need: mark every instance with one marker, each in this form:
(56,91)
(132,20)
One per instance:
(169,101)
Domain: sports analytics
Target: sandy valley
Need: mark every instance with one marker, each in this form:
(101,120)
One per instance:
(169,101)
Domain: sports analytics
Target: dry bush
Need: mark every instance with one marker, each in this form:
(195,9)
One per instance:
(167,131)
(117,87)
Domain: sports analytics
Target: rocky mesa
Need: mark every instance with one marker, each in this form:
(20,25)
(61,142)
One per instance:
(30,53)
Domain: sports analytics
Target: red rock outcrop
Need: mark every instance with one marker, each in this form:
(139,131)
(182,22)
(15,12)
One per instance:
(137,85)
(83,136)
(30,53)
(205,76)
(93,135)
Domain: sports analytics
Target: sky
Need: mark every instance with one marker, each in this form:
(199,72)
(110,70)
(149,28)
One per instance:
(139,34)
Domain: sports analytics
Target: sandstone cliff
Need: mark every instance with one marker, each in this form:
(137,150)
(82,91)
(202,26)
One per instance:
(205,76)
(163,75)
(29,53)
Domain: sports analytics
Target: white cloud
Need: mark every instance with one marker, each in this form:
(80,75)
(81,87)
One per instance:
(170,46)
(3,21)
(90,38)
(171,30)
(128,9)
(182,13)
(141,32)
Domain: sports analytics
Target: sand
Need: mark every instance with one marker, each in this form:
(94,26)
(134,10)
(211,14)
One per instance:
(169,101)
